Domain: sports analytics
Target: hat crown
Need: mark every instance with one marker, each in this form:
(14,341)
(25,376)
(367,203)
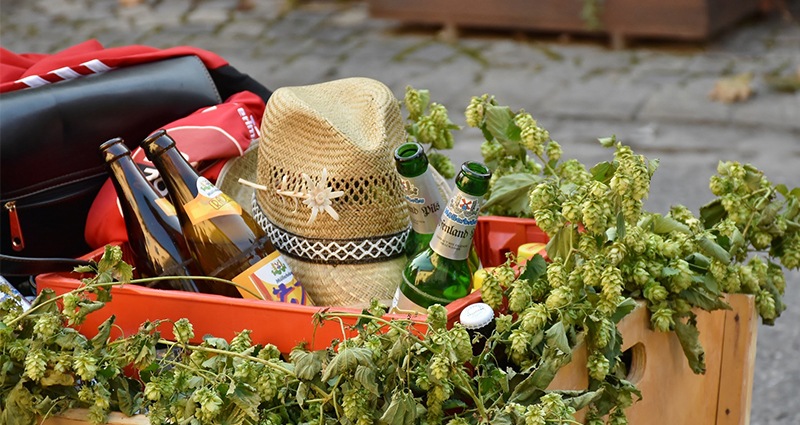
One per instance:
(346,130)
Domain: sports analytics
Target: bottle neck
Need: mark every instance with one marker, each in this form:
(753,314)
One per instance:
(177,174)
(425,202)
(453,236)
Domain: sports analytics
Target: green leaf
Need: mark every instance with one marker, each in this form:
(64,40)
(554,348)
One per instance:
(712,213)
(104,332)
(580,401)
(511,192)
(218,343)
(302,393)
(608,142)
(689,337)
(713,249)
(557,337)
(624,308)
(401,411)
(602,172)
(424,98)
(347,361)
(51,377)
(652,166)
(498,118)
(711,284)
(129,400)
(562,242)
(534,268)
(70,339)
(620,225)
(663,225)
(533,387)
(307,365)
(18,408)
(669,272)
(247,399)
(703,300)
(366,376)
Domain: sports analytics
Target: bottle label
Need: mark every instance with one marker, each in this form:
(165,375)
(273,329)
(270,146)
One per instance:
(453,236)
(424,201)
(273,280)
(209,203)
(166,206)
(402,305)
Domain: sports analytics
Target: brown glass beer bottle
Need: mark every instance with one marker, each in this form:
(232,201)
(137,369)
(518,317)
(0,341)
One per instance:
(154,232)
(224,239)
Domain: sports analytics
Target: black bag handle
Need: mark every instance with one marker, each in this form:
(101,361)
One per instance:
(27,266)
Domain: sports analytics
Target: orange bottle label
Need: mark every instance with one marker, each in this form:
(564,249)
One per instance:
(209,203)
(273,280)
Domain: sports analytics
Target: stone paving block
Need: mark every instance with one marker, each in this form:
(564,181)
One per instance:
(687,103)
(451,84)
(396,76)
(432,51)
(207,15)
(63,8)
(607,97)
(173,11)
(384,49)
(515,88)
(283,48)
(242,29)
(303,71)
(510,53)
(775,110)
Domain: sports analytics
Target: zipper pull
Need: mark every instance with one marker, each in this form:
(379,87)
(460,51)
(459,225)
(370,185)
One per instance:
(16,231)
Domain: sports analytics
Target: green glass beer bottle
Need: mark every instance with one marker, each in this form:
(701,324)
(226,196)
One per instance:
(425,202)
(424,199)
(442,273)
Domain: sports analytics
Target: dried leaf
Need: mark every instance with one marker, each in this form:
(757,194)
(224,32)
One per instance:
(732,89)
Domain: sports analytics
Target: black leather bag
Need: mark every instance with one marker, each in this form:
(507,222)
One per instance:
(50,171)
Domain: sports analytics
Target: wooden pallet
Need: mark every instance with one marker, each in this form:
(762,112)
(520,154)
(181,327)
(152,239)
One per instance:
(670,390)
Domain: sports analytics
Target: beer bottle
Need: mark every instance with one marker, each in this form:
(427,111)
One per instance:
(425,201)
(154,232)
(441,273)
(224,240)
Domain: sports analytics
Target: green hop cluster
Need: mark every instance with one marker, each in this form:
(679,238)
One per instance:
(476,109)
(183,331)
(492,151)
(47,325)
(442,164)
(598,365)
(573,171)
(534,318)
(596,208)
(437,317)
(491,292)
(553,151)
(533,136)
(662,317)
(611,292)
(556,274)
(413,102)
(210,404)
(520,295)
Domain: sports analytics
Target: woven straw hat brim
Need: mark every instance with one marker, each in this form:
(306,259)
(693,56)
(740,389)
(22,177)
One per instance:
(243,167)
(365,282)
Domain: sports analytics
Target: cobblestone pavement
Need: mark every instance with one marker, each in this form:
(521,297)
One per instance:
(651,95)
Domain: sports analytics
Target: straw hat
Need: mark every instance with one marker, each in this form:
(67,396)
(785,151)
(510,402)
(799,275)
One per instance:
(332,202)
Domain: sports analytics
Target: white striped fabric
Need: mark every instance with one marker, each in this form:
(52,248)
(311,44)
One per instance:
(65,73)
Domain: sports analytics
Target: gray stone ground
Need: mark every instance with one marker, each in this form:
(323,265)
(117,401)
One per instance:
(651,95)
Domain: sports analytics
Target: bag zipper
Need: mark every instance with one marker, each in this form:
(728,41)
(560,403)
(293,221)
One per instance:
(17,242)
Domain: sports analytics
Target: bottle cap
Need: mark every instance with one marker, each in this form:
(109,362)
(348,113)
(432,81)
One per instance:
(476,316)
(526,251)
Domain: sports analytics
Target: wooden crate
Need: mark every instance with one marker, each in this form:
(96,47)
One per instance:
(673,19)
(671,392)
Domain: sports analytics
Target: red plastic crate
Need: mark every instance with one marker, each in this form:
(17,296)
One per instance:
(281,324)
(496,236)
